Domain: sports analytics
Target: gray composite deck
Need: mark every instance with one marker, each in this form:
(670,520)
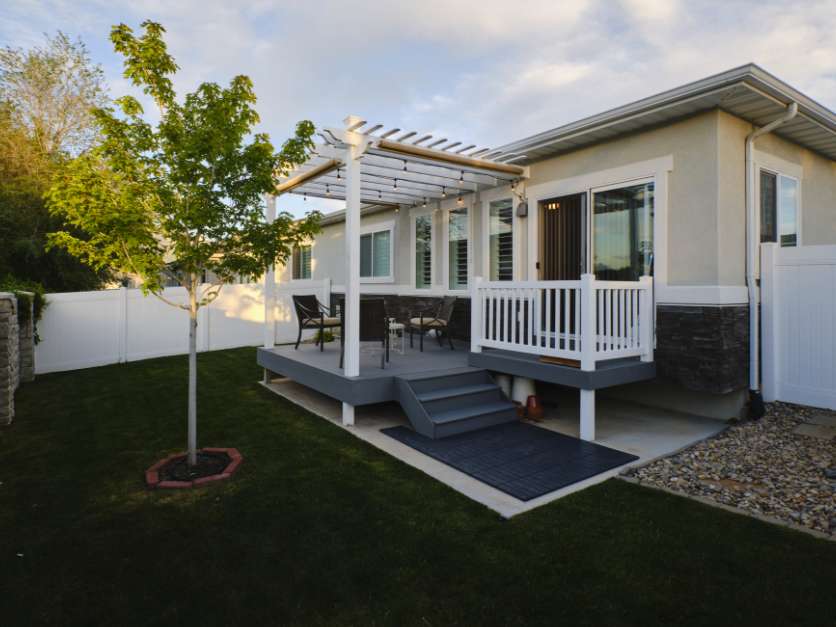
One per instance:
(321,371)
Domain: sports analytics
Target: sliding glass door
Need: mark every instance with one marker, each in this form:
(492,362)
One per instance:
(622,232)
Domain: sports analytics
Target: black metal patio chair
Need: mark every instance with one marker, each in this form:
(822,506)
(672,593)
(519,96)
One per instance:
(374,326)
(312,314)
(437,320)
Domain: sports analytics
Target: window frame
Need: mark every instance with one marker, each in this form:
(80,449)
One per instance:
(379,228)
(778,174)
(468,208)
(293,267)
(413,219)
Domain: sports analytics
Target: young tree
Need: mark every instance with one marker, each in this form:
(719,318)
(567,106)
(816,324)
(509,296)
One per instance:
(182,197)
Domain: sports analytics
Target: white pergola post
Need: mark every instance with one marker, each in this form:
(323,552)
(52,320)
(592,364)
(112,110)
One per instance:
(352,247)
(270,283)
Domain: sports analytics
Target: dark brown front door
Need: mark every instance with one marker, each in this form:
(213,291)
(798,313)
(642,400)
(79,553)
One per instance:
(563,254)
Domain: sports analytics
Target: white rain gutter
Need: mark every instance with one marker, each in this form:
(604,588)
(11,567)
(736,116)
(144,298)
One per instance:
(752,257)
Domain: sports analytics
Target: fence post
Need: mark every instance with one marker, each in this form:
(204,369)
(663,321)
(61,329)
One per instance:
(475,315)
(646,317)
(122,357)
(587,321)
(769,323)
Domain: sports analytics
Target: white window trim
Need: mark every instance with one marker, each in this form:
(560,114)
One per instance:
(655,169)
(413,216)
(759,167)
(376,228)
(487,197)
(445,227)
(290,264)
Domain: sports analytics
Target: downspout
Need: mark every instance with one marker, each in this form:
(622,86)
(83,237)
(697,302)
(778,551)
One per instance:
(756,408)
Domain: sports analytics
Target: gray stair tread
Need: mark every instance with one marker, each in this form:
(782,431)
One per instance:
(439,374)
(463,390)
(463,413)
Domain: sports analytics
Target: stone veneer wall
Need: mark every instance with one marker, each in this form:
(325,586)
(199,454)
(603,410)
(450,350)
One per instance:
(26,344)
(703,348)
(9,356)
(400,308)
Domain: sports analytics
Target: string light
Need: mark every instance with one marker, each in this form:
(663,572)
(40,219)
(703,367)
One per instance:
(459,200)
(425,201)
(404,165)
(339,177)
(395,186)
(305,196)
(461,177)
(379,195)
(443,192)
(327,190)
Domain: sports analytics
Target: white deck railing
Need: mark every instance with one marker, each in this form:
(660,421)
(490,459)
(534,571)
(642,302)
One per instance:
(586,320)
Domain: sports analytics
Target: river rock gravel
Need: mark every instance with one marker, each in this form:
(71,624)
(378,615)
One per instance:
(761,466)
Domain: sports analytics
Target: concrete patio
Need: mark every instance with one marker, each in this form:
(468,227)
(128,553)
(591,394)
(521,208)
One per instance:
(646,432)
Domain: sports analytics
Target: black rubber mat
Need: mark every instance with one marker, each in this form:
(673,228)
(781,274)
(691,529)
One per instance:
(517,458)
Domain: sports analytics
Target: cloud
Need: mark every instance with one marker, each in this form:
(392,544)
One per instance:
(481,71)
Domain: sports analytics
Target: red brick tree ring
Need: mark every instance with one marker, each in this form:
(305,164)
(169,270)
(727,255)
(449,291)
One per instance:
(214,464)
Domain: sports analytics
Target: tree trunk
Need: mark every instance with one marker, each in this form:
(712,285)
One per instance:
(192,429)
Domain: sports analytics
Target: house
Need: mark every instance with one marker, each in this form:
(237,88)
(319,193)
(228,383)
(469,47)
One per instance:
(625,246)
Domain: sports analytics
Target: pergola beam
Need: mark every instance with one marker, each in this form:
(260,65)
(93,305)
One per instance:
(299,179)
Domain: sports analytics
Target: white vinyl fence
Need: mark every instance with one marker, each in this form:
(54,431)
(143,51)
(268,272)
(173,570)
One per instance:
(84,329)
(798,309)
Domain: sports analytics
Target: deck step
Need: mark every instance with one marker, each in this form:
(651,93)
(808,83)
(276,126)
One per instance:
(465,413)
(465,390)
(448,403)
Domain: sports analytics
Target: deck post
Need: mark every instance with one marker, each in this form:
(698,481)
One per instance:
(348,415)
(588,333)
(352,246)
(270,282)
(476,316)
(647,317)
(587,427)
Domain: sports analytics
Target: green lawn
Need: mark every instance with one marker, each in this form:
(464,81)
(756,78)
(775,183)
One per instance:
(320,528)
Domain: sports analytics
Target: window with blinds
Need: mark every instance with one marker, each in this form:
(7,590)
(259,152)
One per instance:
(375,255)
(423,251)
(622,240)
(501,240)
(301,262)
(457,236)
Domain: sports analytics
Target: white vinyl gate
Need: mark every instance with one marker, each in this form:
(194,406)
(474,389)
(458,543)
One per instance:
(798,309)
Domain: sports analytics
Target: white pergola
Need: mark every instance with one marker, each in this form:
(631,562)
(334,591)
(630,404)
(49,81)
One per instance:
(367,164)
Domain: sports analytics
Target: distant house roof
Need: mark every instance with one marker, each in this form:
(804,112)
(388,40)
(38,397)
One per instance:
(748,92)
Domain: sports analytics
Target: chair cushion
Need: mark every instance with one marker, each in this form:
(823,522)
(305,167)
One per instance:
(328,321)
(428,322)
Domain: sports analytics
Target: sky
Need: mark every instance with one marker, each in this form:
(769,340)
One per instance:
(479,71)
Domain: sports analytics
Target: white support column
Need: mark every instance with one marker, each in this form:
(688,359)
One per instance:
(476,315)
(270,284)
(348,415)
(587,427)
(352,247)
(647,318)
(589,341)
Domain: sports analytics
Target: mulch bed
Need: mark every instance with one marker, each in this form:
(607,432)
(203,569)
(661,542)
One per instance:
(213,464)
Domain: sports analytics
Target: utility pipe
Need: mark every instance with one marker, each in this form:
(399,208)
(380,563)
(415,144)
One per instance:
(756,408)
